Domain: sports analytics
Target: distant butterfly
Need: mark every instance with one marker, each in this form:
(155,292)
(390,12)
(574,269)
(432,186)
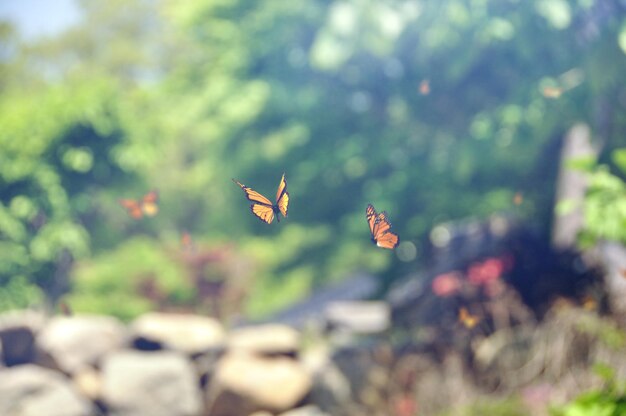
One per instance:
(589,303)
(145,206)
(467,319)
(424,87)
(187,243)
(263,207)
(65,309)
(552,92)
(186,240)
(379,227)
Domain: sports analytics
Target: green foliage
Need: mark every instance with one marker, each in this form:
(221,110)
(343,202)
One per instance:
(605,204)
(606,331)
(184,97)
(53,152)
(18,293)
(610,400)
(502,407)
(112,283)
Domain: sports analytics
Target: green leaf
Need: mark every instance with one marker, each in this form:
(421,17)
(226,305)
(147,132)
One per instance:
(583,164)
(565,207)
(603,370)
(619,158)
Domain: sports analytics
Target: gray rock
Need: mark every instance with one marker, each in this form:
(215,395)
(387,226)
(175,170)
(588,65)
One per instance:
(190,334)
(244,383)
(29,390)
(88,382)
(571,186)
(331,389)
(269,339)
(17,336)
(80,341)
(305,411)
(160,383)
(361,317)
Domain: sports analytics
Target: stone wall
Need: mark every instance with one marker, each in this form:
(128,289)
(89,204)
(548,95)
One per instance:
(160,364)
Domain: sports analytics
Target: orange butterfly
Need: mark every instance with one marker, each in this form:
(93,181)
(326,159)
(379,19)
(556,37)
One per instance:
(589,303)
(185,240)
(470,321)
(145,206)
(552,92)
(425,87)
(65,308)
(379,227)
(263,207)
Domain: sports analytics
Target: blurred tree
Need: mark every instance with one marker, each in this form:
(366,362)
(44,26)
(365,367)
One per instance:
(55,149)
(329,93)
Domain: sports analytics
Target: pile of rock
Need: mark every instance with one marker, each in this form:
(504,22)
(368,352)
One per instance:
(160,364)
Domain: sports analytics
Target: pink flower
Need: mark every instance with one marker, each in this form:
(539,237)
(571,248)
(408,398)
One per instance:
(485,272)
(404,405)
(446,284)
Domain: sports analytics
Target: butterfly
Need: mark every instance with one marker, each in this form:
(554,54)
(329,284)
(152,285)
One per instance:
(379,227)
(145,206)
(589,303)
(186,240)
(263,207)
(65,309)
(467,319)
(552,92)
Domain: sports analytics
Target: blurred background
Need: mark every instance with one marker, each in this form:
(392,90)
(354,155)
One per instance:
(442,113)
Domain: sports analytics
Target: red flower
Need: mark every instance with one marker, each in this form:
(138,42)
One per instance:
(404,405)
(446,284)
(486,272)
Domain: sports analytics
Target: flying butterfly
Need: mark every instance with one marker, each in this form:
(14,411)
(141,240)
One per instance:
(186,241)
(65,308)
(263,207)
(147,205)
(467,319)
(379,227)
(552,92)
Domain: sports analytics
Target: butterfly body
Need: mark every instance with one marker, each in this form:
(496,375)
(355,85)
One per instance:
(380,228)
(262,207)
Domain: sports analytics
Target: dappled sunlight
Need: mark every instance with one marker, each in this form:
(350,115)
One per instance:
(187,221)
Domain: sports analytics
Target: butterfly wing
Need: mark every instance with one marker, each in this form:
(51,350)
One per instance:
(133,208)
(262,207)
(381,224)
(253,195)
(380,229)
(370,214)
(388,240)
(263,212)
(149,203)
(282,196)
